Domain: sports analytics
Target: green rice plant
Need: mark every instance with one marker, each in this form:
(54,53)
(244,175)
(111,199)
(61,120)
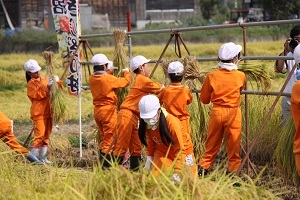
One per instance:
(74,141)
(258,107)
(284,157)
(258,74)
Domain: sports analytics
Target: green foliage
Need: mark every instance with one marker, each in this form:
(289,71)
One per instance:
(284,156)
(209,8)
(26,181)
(75,141)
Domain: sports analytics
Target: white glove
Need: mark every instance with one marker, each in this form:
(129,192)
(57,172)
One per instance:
(125,70)
(176,178)
(50,82)
(56,78)
(148,162)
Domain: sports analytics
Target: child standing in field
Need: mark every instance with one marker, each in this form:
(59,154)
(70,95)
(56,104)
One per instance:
(128,116)
(103,86)
(223,89)
(166,140)
(176,96)
(8,137)
(295,109)
(38,91)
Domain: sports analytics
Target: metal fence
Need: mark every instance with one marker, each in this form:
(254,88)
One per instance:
(244,26)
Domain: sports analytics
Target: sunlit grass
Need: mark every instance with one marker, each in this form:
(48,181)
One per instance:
(32,182)
(26,181)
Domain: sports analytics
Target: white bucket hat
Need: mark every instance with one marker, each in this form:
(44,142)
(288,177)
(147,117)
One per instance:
(138,61)
(32,66)
(229,50)
(175,67)
(148,106)
(100,59)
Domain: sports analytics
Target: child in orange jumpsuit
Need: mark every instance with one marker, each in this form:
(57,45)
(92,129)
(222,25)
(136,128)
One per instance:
(128,116)
(295,109)
(176,97)
(8,137)
(223,88)
(103,87)
(166,140)
(38,91)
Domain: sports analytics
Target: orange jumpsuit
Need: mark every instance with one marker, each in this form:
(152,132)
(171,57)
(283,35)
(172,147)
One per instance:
(222,88)
(295,108)
(7,136)
(103,88)
(40,111)
(165,156)
(128,116)
(175,99)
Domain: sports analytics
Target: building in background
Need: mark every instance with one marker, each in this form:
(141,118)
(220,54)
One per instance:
(107,14)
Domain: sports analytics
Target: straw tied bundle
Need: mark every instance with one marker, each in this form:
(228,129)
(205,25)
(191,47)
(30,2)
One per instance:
(191,71)
(120,60)
(58,105)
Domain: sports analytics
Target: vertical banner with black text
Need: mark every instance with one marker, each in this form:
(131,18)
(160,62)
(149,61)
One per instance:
(67,26)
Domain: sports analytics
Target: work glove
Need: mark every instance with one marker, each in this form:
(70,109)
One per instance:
(56,78)
(148,163)
(125,70)
(50,82)
(176,178)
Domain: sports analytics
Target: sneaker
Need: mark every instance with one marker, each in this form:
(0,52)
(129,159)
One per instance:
(202,172)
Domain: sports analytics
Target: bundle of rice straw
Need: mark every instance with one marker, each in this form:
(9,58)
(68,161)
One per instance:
(121,61)
(58,105)
(259,74)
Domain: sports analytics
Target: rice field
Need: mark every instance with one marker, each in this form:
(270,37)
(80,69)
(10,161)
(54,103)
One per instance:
(68,180)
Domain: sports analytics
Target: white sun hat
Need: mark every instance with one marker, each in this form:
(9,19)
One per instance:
(138,61)
(175,67)
(100,59)
(297,54)
(32,66)
(229,50)
(148,106)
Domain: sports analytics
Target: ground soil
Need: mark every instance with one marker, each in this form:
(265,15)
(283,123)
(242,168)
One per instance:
(66,155)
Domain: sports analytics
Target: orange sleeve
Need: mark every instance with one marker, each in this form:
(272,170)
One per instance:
(149,86)
(120,82)
(295,96)
(189,95)
(4,119)
(206,91)
(37,89)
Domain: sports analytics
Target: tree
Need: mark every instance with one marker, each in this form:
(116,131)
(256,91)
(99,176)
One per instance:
(209,8)
(281,9)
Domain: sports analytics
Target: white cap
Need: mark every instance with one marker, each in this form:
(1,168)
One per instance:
(110,65)
(148,106)
(229,50)
(297,54)
(32,66)
(100,59)
(175,67)
(138,61)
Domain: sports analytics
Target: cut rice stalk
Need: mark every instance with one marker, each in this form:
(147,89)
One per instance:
(58,105)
